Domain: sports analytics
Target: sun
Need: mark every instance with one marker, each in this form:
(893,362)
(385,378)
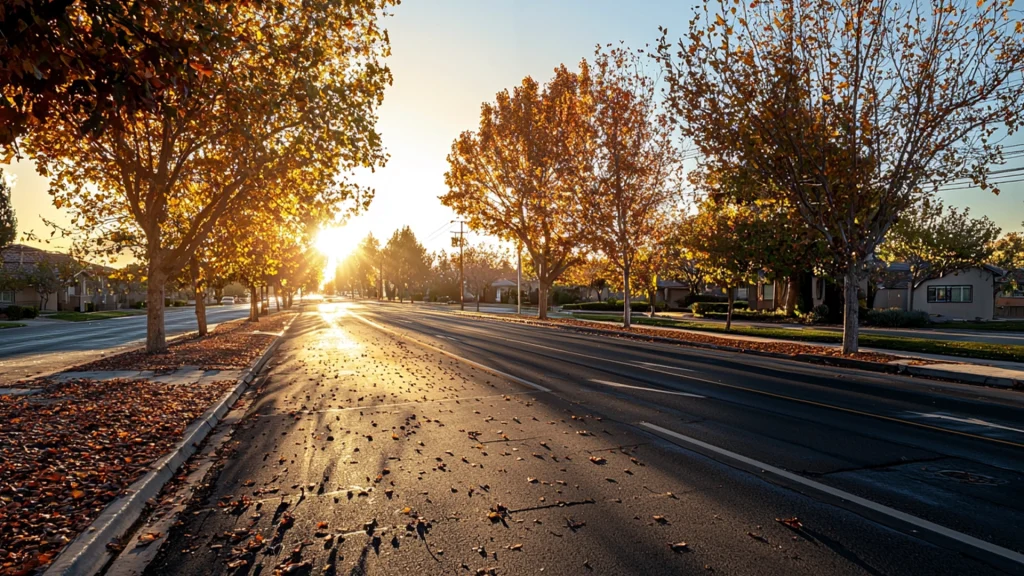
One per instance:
(335,242)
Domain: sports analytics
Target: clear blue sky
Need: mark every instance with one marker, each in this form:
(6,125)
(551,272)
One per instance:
(451,55)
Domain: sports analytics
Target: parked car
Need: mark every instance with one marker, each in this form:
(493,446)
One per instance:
(227,300)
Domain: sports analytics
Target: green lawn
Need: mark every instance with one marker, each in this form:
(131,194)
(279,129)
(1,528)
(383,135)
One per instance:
(902,343)
(84,316)
(11,325)
(1007,326)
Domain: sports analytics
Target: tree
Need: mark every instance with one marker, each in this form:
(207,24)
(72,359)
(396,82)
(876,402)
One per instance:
(632,178)
(101,56)
(592,272)
(484,265)
(8,222)
(405,261)
(44,278)
(516,179)
(274,117)
(1008,252)
(934,241)
(722,239)
(849,109)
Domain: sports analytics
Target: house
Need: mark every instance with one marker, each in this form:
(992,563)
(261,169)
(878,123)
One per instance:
(75,285)
(672,293)
(968,294)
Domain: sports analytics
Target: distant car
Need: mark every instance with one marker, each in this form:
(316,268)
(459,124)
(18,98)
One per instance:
(227,300)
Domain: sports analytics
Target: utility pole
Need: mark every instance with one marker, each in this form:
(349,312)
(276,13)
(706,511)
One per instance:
(462,270)
(519,279)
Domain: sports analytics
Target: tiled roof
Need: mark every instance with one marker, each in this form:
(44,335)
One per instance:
(24,255)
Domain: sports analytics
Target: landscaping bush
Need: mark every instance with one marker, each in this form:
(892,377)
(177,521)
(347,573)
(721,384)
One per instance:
(613,306)
(29,312)
(702,308)
(692,298)
(90,307)
(139,305)
(14,312)
(896,318)
(417,297)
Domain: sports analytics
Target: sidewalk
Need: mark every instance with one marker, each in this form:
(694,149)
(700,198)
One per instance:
(86,447)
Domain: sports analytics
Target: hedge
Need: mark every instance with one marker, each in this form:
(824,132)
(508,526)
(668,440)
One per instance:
(635,306)
(15,312)
(896,318)
(702,308)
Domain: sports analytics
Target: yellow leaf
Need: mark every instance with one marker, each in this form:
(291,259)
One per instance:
(826,97)
(719,20)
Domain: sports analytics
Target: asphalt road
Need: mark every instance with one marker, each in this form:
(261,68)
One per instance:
(49,345)
(370,453)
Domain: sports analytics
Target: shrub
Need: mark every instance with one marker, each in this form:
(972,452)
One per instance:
(692,298)
(701,308)
(29,312)
(90,307)
(417,296)
(14,312)
(819,314)
(139,305)
(896,318)
(613,306)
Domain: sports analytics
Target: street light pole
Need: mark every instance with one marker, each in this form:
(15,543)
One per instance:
(519,279)
(462,270)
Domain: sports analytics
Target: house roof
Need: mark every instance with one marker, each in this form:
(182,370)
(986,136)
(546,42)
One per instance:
(503,284)
(672,284)
(25,255)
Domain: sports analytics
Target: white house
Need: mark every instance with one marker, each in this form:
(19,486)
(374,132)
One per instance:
(962,295)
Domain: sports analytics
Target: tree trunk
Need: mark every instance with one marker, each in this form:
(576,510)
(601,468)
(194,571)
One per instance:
(792,288)
(200,296)
(850,310)
(254,298)
(542,300)
(479,294)
(728,316)
(277,297)
(910,295)
(626,308)
(652,296)
(156,334)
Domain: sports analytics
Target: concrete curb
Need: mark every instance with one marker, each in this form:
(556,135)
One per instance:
(87,554)
(822,359)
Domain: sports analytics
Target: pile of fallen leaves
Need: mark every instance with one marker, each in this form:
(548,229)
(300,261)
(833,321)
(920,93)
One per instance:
(231,345)
(69,450)
(691,336)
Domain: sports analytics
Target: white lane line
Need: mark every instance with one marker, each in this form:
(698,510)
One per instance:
(873,506)
(659,391)
(668,367)
(649,368)
(477,365)
(975,421)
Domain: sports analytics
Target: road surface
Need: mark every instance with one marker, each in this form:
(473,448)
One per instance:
(377,447)
(50,345)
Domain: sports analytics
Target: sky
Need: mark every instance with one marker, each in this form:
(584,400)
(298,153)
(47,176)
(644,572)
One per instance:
(448,57)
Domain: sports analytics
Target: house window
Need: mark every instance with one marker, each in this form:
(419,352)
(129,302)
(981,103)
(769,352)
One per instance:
(953,294)
(768,292)
(6,297)
(741,293)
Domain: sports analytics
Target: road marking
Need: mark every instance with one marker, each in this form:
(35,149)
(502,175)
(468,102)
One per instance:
(665,366)
(477,365)
(975,421)
(789,398)
(880,508)
(765,393)
(660,391)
